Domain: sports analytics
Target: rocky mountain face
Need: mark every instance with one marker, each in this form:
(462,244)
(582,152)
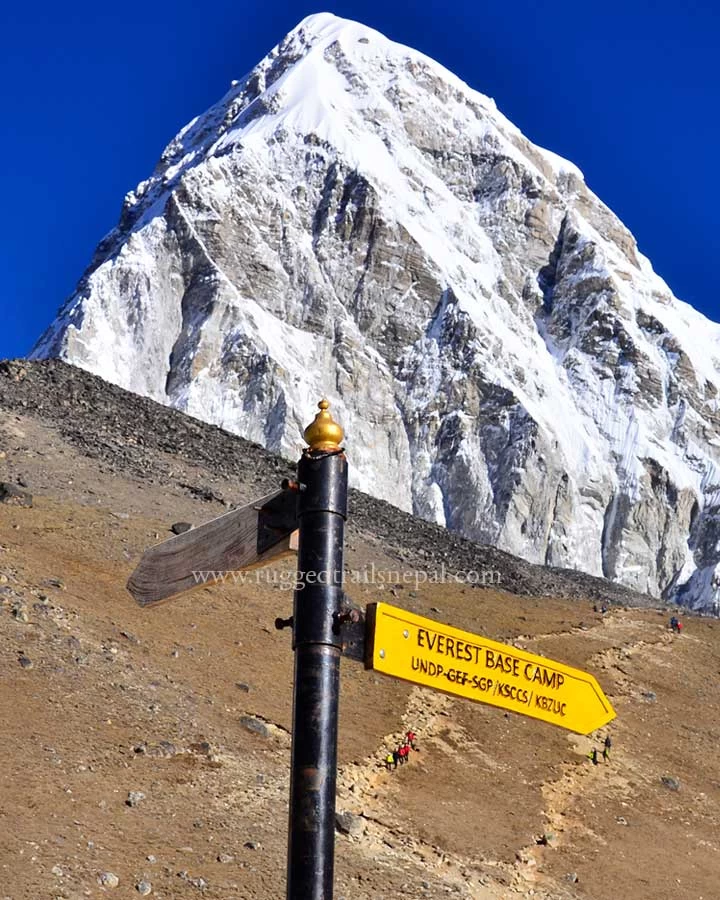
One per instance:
(353,220)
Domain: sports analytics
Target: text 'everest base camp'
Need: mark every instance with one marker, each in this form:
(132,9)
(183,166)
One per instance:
(352,218)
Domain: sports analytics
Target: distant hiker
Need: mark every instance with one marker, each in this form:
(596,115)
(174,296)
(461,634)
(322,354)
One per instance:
(593,756)
(595,607)
(674,623)
(410,739)
(389,760)
(396,758)
(404,753)
(606,748)
(603,609)
(679,627)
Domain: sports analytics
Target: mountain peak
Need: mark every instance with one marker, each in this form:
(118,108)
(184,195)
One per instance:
(326,27)
(351,220)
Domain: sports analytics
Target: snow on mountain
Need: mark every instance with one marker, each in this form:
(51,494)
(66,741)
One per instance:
(351,219)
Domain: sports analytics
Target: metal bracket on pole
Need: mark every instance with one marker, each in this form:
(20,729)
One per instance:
(276,518)
(350,623)
(350,626)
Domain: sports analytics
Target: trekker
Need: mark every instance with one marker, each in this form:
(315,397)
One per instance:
(679,627)
(389,759)
(606,748)
(404,753)
(674,623)
(410,739)
(396,758)
(593,756)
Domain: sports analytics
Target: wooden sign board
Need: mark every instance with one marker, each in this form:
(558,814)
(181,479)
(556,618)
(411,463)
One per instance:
(426,652)
(242,539)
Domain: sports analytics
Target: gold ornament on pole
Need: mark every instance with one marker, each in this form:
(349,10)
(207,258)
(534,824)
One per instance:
(324,433)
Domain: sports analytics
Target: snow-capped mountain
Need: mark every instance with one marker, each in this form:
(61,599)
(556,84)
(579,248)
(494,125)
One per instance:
(351,219)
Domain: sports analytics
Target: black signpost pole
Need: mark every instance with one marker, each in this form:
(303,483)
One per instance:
(326,625)
(322,509)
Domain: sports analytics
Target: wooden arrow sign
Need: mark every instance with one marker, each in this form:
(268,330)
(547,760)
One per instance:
(243,539)
(426,652)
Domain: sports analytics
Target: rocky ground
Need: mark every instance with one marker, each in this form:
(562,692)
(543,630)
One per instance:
(134,435)
(147,751)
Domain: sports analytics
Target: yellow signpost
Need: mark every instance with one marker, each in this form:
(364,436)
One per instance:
(439,656)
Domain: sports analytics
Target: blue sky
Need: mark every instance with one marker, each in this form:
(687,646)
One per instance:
(91,93)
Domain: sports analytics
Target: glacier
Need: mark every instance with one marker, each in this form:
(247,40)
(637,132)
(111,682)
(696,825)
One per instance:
(353,220)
